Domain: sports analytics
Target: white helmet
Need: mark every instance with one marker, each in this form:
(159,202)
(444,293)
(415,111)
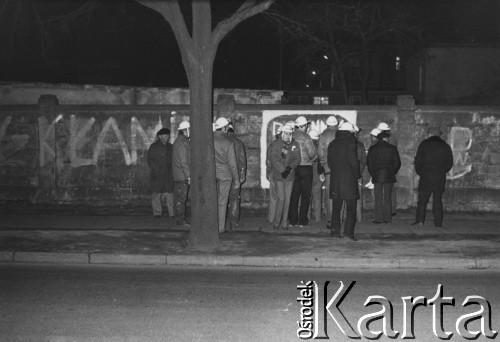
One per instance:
(183,125)
(346,126)
(383,126)
(332,121)
(221,122)
(314,134)
(287,128)
(374,132)
(301,121)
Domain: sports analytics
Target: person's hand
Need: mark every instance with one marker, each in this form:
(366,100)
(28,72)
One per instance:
(322,178)
(237,186)
(189,180)
(285,173)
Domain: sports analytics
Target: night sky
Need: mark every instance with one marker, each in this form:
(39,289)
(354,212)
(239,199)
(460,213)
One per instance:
(122,43)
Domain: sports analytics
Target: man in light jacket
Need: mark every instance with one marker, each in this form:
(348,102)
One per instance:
(180,165)
(234,193)
(284,157)
(226,168)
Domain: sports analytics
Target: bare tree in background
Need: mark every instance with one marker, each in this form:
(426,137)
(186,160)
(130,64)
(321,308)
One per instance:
(350,34)
(198,48)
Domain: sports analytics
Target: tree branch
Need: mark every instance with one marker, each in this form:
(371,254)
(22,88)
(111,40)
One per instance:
(248,9)
(171,11)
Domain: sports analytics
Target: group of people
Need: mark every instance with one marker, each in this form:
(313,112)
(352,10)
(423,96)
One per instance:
(170,172)
(300,163)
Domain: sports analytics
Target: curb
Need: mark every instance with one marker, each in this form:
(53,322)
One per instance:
(45,257)
(248,261)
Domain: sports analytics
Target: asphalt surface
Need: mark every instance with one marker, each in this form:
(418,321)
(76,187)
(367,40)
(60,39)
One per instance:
(465,242)
(146,304)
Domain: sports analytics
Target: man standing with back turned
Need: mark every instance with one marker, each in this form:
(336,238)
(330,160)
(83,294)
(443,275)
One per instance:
(180,164)
(226,168)
(235,193)
(344,165)
(433,160)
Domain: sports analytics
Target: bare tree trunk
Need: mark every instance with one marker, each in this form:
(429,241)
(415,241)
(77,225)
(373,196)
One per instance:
(204,223)
(198,50)
(339,69)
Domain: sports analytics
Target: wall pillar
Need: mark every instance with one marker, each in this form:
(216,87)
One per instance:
(225,105)
(407,149)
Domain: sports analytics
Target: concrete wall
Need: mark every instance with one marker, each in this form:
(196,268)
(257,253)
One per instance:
(68,94)
(95,155)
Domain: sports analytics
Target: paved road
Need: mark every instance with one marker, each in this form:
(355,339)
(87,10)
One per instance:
(104,303)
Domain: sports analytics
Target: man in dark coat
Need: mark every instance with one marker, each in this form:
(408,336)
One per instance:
(344,165)
(383,164)
(162,182)
(433,160)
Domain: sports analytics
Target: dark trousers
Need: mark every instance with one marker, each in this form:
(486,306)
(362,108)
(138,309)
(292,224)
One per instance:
(350,216)
(437,206)
(181,189)
(302,187)
(383,202)
(234,204)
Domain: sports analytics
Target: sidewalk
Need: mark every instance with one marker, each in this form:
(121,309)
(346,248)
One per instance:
(466,242)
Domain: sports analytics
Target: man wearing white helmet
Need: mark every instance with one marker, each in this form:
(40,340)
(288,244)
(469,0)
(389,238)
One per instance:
(362,164)
(234,193)
(317,183)
(383,164)
(226,168)
(302,185)
(344,167)
(180,166)
(384,127)
(284,157)
(373,135)
(325,139)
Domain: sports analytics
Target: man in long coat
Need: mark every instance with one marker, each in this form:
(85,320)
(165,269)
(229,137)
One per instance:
(433,160)
(159,160)
(344,165)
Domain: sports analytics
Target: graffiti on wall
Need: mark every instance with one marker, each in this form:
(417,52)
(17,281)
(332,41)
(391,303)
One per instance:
(272,120)
(460,140)
(82,135)
(10,145)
